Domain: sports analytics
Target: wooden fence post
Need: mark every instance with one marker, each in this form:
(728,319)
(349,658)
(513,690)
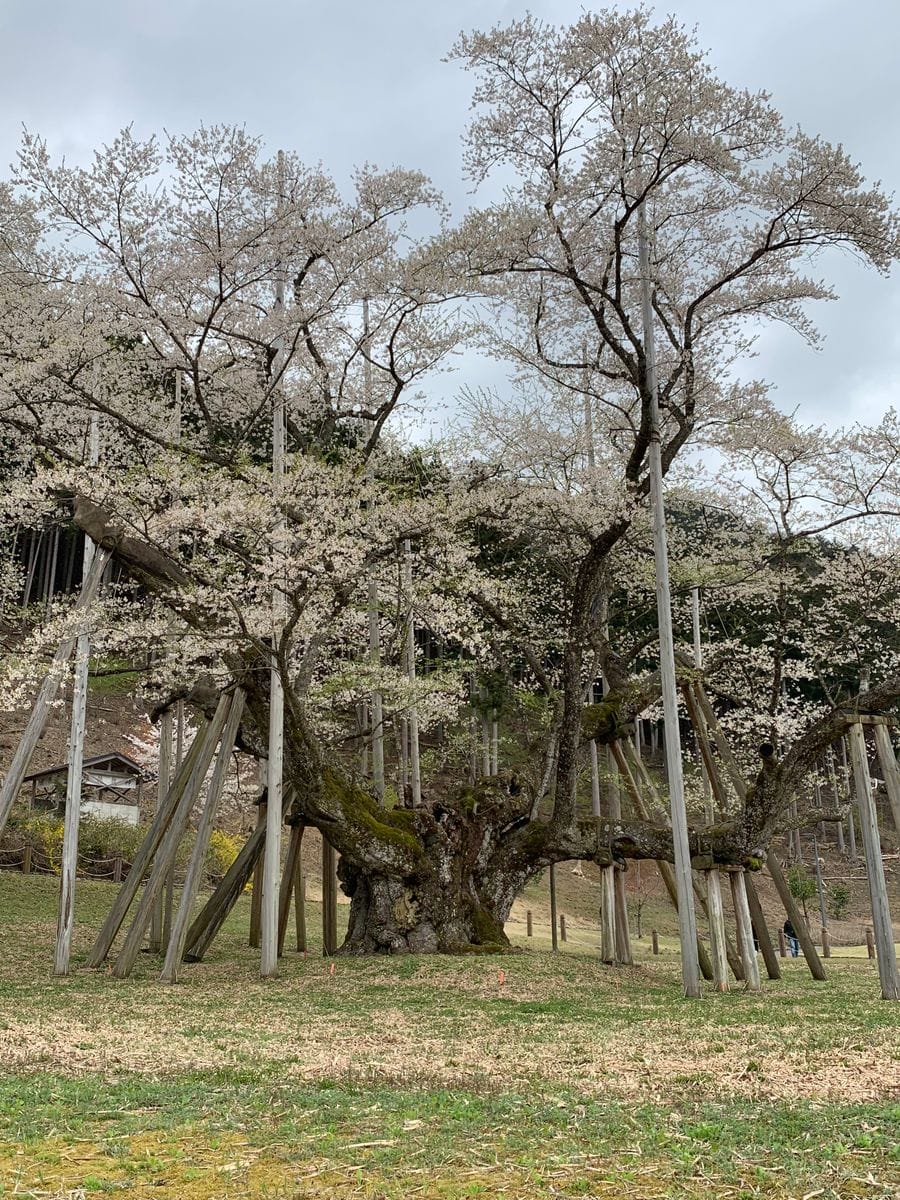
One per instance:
(562,927)
(870,944)
(654,941)
(117,869)
(26,858)
(782,944)
(529,928)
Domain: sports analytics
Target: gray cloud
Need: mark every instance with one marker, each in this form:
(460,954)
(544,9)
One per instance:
(354,81)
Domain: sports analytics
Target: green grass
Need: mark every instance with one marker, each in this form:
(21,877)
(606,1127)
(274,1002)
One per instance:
(429,1076)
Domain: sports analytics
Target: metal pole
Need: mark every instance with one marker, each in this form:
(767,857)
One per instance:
(687,923)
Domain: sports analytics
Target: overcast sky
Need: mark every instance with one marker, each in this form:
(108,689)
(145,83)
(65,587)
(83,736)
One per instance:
(362,80)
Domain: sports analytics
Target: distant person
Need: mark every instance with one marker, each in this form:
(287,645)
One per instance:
(791,934)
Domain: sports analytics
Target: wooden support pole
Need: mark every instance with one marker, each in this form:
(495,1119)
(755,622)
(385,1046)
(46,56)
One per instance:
(623,934)
(144,857)
(726,754)
(168,848)
(687,923)
(300,905)
(376,699)
(868,823)
(621,751)
(163,783)
(167,897)
(595,780)
(835,794)
(851,823)
(197,865)
(256,890)
(415,770)
(795,916)
(553,927)
(215,911)
(717,930)
(47,694)
(889,770)
(607,915)
(289,880)
(773,970)
(329,900)
(65,924)
(271,873)
(745,931)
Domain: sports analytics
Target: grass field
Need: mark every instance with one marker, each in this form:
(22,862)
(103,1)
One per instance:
(431,1077)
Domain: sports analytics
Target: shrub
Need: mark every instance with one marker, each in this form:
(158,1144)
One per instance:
(838,900)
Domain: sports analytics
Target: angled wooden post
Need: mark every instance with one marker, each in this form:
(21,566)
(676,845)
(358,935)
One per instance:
(665,869)
(717,930)
(868,823)
(215,911)
(773,970)
(143,858)
(745,930)
(47,693)
(65,926)
(194,877)
(889,770)
(165,857)
(795,916)
(289,879)
(608,916)
(256,893)
(163,782)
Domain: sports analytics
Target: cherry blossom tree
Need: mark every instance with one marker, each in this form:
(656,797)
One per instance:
(144,292)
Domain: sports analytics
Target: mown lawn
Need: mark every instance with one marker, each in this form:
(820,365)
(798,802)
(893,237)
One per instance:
(432,1077)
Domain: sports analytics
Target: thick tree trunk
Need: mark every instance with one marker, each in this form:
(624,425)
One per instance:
(421,916)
